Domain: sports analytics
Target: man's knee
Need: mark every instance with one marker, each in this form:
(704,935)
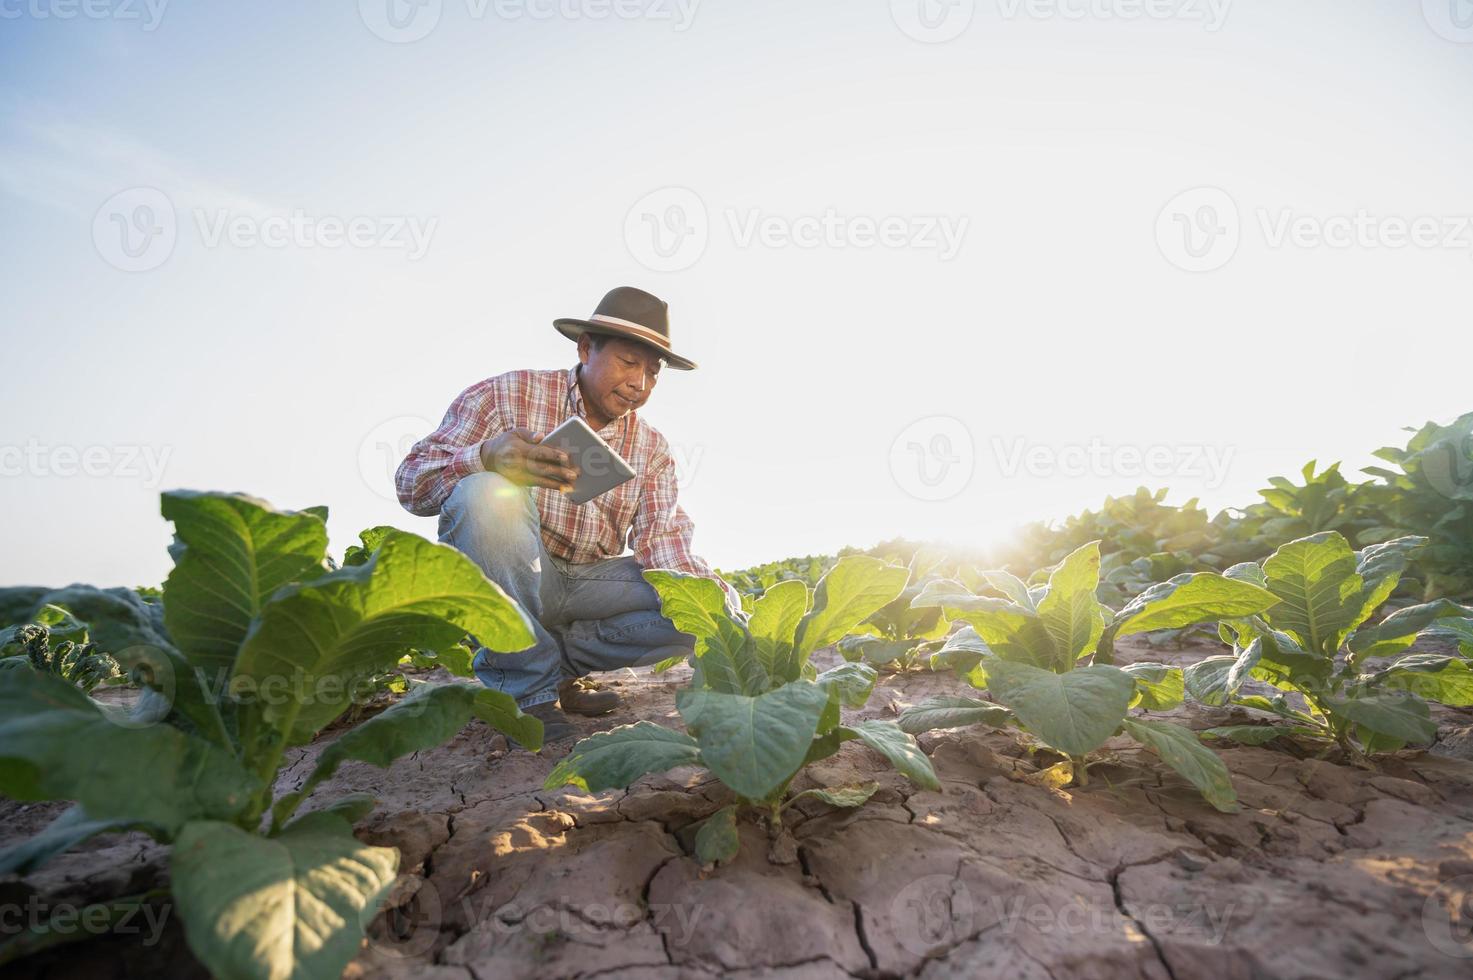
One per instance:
(489,504)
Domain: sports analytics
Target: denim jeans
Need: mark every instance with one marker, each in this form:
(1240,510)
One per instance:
(589,617)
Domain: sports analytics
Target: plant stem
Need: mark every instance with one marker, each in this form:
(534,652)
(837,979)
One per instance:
(43,936)
(1081,771)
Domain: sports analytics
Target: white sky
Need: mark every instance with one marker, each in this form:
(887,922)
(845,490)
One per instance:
(522,144)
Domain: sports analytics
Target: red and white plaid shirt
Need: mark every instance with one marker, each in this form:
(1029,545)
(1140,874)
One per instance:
(642,513)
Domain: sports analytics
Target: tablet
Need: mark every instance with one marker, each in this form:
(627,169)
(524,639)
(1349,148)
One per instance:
(600,469)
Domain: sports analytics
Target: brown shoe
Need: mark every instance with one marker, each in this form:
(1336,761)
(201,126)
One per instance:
(582,696)
(555,724)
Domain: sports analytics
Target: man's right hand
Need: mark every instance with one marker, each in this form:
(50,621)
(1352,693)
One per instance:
(516,455)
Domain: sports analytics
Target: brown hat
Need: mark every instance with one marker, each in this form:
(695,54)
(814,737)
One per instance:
(634,315)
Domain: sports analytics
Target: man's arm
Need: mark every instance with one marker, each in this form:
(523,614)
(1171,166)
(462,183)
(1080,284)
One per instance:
(452,452)
(662,531)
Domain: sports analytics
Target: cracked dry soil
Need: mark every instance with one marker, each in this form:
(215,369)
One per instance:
(1328,870)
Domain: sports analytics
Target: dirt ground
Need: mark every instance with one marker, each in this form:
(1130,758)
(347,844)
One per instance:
(1329,870)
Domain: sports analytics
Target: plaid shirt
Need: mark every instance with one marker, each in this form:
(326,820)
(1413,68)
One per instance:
(642,512)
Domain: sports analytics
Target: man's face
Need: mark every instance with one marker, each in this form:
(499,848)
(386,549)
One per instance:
(617,378)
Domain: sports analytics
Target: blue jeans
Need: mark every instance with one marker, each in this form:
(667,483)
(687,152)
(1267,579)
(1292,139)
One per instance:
(591,617)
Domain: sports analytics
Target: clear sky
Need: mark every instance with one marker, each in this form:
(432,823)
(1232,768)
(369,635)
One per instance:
(948,267)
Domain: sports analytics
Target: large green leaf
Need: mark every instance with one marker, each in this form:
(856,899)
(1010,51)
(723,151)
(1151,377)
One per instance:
(853,590)
(231,552)
(725,657)
(616,758)
(953,712)
(774,625)
(116,618)
(1399,631)
(58,744)
(1398,716)
(1182,750)
(717,839)
(1158,687)
(1070,613)
(289,907)
(886,738)
(754,744)
(852,683)
(313,640)
(65,832)
(1320,591)
(428,716)
(1074,712)
(1211,680)
(1195,597)
(1448,680)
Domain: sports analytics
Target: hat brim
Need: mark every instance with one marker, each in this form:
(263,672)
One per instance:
(573,329)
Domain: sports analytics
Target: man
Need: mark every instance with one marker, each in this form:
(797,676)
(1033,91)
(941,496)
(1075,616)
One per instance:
(499,496)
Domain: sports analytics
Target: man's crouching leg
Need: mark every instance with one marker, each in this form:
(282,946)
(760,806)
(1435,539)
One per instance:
(495,523)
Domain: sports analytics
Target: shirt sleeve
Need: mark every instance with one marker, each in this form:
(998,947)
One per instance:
(453,451)
(661,532)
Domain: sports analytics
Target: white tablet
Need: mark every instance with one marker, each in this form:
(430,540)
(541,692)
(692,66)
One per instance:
(600,469)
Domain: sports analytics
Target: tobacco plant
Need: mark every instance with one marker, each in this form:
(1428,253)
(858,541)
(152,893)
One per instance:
(1317,649)
(254,648)
(757,711)
(896,636)
(1045,654)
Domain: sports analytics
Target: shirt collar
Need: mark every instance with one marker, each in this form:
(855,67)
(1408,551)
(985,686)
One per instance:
(575,394)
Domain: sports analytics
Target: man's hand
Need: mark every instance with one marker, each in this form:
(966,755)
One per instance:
(516,455)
